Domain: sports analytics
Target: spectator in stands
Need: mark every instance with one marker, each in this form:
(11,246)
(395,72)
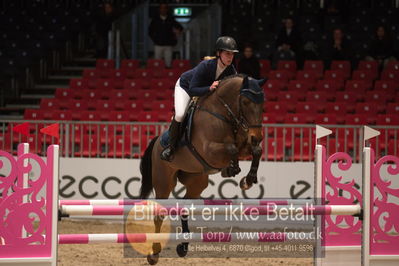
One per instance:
(338,49)
(288,43)
(164,30)
(104,20)
(381,48)
(249,64)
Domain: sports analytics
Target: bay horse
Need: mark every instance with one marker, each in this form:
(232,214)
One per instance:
(227,125)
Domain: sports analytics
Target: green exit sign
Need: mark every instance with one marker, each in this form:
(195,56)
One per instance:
(182,11)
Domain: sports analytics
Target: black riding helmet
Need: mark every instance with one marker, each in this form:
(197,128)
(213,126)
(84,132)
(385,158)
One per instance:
(226,43)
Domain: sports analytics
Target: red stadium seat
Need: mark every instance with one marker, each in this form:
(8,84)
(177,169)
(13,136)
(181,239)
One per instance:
(119,74)
(329,85)
(356,119)
(105,105)
(61,93)
(105,84)
(282,75)
(269,118)
(318,96)
(366,75)
(91,74)
(306,107)
(133,84)
(330,119)
(80,84)
(147,95)
(291,96)
(77,105)
(173,74)
(162,106)
(388,120)
(49,104)
(366,108)
(181,63)
(119,146)
(337,75)
(275,85)
(265,67)
(105,73)
(369,65)
(91,94)
(392,109)
(143,73)
(344,66)
(148,116)
(391,75)
(88,147)
(59,115)
(105,64)
(309,75)
(295,118)
(300,85)
(386,86)
(86,116)
(287,65)
(316,66)
(393,147)
(274,149)
(347,97)
(33,114)
(130,64)
(378,96)
(155,63)
(119,116)
(302,150)
(163,95)
(358,86)
(133,106)
(392,65)
(162,84)
(340,109)
(275,107)
(165,116)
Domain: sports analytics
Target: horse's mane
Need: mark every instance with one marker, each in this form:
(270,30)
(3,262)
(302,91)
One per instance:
(233,76)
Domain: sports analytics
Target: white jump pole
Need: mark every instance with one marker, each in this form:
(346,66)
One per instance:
(151,210)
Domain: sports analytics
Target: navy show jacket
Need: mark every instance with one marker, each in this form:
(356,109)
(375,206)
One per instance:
(196,82)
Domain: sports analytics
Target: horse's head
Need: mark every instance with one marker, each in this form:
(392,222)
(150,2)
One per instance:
(252,98)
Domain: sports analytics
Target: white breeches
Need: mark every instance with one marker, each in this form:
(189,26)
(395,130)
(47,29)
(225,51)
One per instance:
(182,99)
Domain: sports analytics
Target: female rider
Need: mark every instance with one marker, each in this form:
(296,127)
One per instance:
(198,82)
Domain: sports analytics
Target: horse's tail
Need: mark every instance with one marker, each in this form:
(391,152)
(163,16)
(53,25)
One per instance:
(146,171)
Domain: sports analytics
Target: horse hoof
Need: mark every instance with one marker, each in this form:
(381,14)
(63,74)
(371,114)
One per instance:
(244,185)
(153,258)
(181,250)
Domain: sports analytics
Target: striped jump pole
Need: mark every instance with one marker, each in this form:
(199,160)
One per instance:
(125,202)
(148,210)
(210,237)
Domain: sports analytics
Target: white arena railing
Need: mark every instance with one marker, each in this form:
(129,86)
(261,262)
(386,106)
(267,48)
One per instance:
(282,142)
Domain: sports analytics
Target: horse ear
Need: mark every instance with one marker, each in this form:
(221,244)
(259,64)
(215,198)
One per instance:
(261,82)
(245,83)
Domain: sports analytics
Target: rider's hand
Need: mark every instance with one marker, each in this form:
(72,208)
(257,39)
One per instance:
(214,85)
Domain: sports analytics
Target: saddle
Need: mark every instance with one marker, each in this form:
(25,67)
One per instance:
(185,136)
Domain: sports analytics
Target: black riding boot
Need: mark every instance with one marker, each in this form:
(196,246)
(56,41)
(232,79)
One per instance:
(174,130)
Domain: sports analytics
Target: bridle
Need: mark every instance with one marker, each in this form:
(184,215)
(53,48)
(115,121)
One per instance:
(236,121)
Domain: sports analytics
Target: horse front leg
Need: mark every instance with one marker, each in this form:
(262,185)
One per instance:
(233,169)
(252,177)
